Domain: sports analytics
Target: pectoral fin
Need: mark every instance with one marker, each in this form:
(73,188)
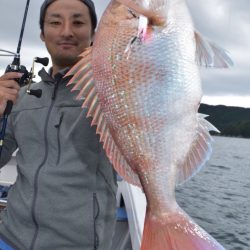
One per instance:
(209,54)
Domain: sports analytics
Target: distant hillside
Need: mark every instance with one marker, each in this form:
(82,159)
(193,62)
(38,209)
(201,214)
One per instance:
(231,121)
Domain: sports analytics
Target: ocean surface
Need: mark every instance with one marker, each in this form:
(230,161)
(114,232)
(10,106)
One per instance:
(218,197)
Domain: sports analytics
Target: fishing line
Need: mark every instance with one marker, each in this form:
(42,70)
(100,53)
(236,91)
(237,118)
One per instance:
(26,77)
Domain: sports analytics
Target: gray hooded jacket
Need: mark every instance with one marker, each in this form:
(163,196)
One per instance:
(64,195)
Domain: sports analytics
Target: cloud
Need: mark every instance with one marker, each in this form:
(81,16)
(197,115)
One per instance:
(228,100)
(226,22)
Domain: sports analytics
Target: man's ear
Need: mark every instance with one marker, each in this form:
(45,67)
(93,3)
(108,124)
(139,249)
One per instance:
(92,38)
(42,36)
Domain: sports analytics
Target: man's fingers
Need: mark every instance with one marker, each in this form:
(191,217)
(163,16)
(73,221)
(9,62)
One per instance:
(9,91)
(7,80)
(10,75)
(9,94)
(8,97)
(9,84)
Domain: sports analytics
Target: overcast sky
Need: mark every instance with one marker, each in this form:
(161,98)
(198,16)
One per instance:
(226,22)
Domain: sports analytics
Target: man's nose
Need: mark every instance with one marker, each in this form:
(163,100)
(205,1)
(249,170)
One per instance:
(67,30)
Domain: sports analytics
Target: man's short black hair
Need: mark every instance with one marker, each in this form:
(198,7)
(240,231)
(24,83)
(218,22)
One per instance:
(88,3)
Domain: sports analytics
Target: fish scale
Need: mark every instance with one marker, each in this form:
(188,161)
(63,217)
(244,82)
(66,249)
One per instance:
(145,94)
(147,85)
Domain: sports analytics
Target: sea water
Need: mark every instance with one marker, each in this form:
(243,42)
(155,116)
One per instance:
(218,197)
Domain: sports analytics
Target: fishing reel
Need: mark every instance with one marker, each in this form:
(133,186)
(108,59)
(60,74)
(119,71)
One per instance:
(27,76)
(16,67)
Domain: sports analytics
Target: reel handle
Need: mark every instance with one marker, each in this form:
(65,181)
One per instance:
(42,60)
(35,92)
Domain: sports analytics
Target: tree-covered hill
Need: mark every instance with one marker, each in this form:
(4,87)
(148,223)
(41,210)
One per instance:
(231,121)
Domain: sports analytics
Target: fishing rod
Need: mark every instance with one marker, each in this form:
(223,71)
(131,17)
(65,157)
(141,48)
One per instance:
(26,78)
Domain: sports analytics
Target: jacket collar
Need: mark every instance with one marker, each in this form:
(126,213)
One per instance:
(46,76)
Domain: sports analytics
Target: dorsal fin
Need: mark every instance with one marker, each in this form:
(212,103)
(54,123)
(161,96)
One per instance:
(209,54)
(83,82)
(200,151)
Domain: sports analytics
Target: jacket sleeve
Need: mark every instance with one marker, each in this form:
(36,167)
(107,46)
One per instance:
(9,144)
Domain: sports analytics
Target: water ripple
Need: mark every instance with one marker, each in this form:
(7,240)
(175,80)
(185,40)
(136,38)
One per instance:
(218,197)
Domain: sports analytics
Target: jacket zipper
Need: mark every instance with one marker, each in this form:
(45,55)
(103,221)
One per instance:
(58,139)
(96,210)
(40,167)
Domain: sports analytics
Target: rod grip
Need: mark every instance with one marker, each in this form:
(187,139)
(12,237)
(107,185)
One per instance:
(21,81)
(8,108)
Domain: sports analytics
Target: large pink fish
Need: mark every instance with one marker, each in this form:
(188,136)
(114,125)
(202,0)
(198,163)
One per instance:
(141,85)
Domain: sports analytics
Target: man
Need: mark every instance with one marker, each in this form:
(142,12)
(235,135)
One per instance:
(64,195)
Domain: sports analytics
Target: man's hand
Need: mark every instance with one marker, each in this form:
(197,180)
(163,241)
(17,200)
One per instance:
(9,89)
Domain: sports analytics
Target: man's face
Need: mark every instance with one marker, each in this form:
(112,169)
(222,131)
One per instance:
(67,31)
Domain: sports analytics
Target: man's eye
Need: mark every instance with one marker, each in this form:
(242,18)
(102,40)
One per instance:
(55,23)
(78,23)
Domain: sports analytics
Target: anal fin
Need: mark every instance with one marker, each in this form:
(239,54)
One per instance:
(199,152)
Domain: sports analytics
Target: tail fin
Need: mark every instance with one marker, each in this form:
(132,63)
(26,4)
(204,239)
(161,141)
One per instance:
(175,231)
